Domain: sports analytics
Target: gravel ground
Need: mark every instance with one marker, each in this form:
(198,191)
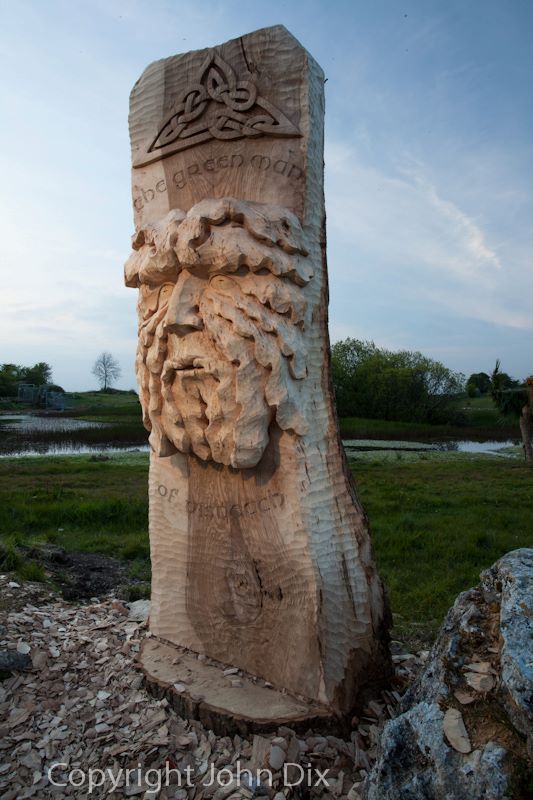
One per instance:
(73,712)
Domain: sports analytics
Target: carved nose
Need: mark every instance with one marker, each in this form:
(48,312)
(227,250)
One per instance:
(182,313)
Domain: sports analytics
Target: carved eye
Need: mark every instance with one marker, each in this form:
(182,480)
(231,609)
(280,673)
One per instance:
(222,283)
(153,297)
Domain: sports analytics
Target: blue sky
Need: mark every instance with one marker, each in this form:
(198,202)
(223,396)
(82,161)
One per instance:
(429,165)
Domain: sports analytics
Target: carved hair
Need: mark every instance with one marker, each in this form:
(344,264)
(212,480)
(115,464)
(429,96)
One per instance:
(221,318)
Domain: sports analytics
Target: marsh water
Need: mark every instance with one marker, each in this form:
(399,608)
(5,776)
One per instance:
(504,448)
(30,435)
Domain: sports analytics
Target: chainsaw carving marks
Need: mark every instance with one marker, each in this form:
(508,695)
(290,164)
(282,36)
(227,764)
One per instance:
(222,325)
(261,556)
(218,106)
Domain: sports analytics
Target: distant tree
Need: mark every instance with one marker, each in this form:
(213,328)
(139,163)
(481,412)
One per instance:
(513,397)
(508,394)
(106,369)
(10,376)
(477,384)
(373,382)
(39,374)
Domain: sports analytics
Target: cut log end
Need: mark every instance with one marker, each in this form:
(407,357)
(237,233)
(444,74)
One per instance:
(222,700)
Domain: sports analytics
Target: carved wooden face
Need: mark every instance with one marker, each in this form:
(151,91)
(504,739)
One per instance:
(222,315)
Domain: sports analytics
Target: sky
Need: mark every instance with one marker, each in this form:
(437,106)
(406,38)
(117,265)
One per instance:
(428,170)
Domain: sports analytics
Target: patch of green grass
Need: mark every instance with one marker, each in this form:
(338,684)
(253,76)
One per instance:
(76,503)
(10,559)
(120,407)
(31,571)
(138,591)
(481,411)
(136,548)
(141,570)
(363,428)
(436,524)
(9,405)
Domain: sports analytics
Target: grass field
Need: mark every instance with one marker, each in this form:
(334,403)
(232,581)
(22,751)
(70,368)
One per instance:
(104,407)
(77,503)
(436,522)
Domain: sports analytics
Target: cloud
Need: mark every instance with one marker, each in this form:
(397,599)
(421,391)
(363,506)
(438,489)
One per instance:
(469,238)
(402,218)
(420,244)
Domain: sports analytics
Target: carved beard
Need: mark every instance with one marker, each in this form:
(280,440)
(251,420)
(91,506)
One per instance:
(215,391)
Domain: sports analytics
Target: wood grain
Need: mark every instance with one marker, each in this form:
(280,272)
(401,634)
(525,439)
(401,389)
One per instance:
(261,554)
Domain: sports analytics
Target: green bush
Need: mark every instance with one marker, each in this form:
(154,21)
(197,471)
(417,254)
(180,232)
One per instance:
(380,384)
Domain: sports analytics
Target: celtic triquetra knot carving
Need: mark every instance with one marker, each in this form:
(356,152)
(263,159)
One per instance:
(220,107)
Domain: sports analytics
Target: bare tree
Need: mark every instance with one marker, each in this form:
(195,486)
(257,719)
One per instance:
(106,369)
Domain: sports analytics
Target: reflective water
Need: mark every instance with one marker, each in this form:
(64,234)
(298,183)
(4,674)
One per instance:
(28,435)
(491,447)
(25,435)
(21,424)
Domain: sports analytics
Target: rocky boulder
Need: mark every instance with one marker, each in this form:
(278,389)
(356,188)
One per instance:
(466,727)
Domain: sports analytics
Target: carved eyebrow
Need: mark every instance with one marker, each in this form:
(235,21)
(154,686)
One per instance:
(273,225)
(226,251)
(263,237)
(156,233)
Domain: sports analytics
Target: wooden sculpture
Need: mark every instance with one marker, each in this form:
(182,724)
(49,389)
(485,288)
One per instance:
(261,556)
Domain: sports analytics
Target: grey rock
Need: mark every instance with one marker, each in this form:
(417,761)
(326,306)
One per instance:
(510,581)
(226,789)
(139,610)
(11,660)
(441,674)
(277,757)
(415,763)
(415,760)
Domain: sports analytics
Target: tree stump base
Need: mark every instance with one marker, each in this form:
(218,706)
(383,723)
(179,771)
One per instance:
(199,689)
